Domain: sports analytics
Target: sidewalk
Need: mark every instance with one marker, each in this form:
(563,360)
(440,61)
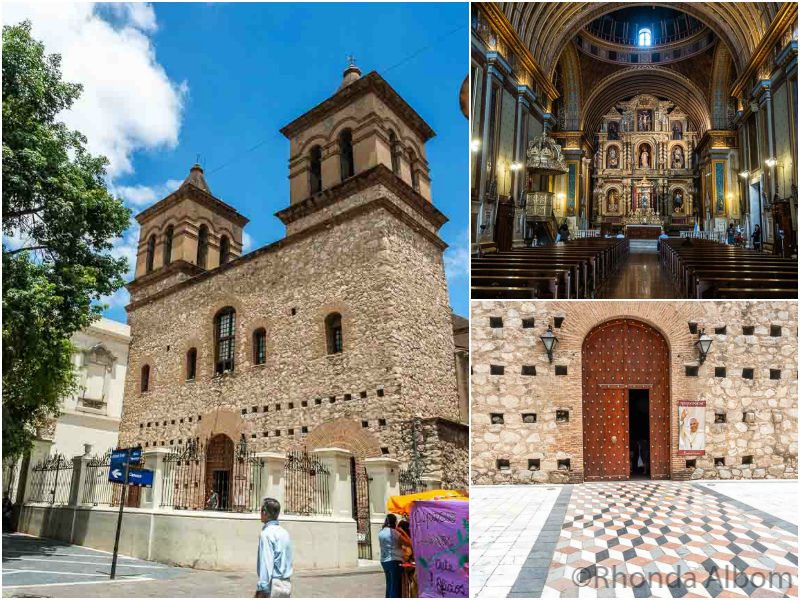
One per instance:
(46,568)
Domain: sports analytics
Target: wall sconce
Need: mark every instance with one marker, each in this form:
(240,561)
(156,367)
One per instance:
(549,340)
(703,344)
(770,162)
(744,174)
(515,166)
(475,145)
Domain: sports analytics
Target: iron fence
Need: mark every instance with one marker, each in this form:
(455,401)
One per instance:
(410,481)
(306,485)
(51,480)
(359,481)
(97,489)
(212,476)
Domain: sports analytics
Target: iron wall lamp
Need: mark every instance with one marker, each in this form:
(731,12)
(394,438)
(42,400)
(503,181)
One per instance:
(703,344)
(549,340)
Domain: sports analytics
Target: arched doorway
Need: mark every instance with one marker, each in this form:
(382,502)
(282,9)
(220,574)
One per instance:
(219,471)
(626,402)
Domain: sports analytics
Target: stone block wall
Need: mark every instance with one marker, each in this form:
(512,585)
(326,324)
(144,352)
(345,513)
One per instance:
(385,280)
(770,439)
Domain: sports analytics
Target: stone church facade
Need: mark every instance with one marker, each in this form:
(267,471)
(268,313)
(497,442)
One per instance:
(340,334)
(569,420)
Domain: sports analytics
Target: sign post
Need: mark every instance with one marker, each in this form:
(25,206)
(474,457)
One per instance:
(119,517)
(119,471)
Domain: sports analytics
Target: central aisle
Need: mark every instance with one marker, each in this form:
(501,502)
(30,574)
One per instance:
(641,277)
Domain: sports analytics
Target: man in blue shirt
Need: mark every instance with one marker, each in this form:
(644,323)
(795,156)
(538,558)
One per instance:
(274,563)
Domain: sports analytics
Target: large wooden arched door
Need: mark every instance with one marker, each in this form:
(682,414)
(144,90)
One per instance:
(219,470)
(625,389)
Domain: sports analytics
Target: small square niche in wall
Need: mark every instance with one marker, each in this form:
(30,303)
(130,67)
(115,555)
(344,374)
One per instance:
(495,322)
(534,464)
(497,418)
(503,464)
(496,369)
(528,323)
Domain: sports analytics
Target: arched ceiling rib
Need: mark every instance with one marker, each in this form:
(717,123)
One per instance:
(657,81)
(546,27)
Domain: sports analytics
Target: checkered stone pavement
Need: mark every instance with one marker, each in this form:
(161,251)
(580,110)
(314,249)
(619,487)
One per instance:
(668,540)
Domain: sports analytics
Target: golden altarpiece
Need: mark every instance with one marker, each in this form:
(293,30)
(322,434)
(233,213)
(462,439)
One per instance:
(642,167)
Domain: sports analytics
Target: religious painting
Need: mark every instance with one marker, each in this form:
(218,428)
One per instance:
(644,120)
(677,201)
(613,130)
(612,158)
(677,157)
(612,201)
(645,156)
(719,187)
(677,130)
(691,428)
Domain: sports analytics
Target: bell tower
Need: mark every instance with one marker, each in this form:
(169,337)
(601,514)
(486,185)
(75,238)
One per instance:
(365,123)
(188,232)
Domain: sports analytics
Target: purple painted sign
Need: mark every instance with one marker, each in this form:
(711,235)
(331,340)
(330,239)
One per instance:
(440,536)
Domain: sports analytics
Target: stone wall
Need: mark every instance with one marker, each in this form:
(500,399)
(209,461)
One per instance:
(386,281)
(771,437)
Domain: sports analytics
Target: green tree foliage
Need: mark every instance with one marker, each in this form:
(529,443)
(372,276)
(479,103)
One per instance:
(58,211)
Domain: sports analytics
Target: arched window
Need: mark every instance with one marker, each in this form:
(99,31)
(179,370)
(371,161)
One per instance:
(191,364)
(333,331)
(168,244)
(259,346)
(315,170)
(202,246)
(394,148)
(412,161)
(225,336)
(346,154)
(645,37)
(151,253)
(224,250)
(145,379)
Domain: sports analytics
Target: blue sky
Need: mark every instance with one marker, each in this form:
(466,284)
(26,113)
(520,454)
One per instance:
(166,82)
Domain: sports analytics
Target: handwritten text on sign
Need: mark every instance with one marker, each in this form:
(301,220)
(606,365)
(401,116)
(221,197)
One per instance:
(440,536)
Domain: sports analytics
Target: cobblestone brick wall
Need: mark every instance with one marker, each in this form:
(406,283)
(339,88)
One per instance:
(770,350)
(385,280)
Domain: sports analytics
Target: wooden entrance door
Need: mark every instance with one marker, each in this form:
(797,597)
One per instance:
(620,355)
(605,440)
(219,464)
(504,228)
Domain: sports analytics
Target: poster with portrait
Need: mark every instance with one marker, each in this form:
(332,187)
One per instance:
(691,427)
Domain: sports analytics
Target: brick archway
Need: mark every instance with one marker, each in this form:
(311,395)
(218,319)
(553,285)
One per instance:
(347,434)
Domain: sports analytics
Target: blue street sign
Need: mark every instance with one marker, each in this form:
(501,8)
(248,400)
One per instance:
(140,477)
(122,455)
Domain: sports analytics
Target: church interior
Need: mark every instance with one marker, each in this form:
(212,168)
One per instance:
(634,151)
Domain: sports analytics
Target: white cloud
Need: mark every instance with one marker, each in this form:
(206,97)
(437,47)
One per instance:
(247,242)
(456,257)
(128,103)
(124,246)
(142,196)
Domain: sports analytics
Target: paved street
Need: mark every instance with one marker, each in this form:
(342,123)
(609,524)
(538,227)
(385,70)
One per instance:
(635,539)
(37,567)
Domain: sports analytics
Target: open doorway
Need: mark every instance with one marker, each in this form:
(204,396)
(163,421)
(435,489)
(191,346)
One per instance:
(639,433)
